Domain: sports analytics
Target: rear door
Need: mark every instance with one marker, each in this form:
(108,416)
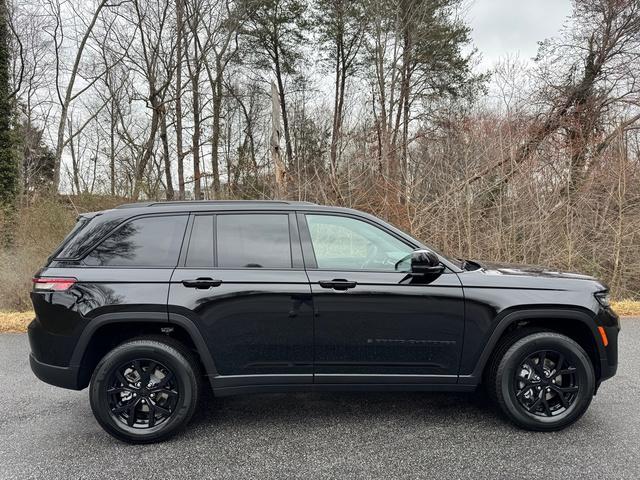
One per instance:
(241,280)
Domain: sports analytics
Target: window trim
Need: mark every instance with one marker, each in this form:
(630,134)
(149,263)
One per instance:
(81,259)
(307,243)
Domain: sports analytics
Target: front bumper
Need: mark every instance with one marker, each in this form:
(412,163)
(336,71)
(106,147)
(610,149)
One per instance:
(610,322)
(609,361)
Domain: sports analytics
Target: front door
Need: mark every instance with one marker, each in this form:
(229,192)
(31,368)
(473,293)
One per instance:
(375,323)
(242,282)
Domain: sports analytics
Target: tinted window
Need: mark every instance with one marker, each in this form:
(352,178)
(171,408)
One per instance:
(343,243)
(146,242)
(200,253)
(83,238)
(254,241)
(80,224)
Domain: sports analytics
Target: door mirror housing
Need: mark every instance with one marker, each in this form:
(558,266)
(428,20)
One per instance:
(425,262)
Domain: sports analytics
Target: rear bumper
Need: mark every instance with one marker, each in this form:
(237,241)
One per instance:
(65,377)
(49,357)
(52,347)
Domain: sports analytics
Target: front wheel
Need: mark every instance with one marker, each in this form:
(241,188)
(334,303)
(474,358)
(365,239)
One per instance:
(542,381)
(145,390)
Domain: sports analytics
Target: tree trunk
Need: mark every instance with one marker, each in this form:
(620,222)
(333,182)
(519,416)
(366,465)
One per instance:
(180,153)
(283,108)
(74,161)
(407,59)
(337,112)
(249,131)
(195,146)
(148,147)
(167,159)
(112,147)
(215,137)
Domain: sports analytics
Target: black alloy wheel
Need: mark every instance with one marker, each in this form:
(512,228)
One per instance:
(546,385)
(146,389)
(142,393)
(541,380)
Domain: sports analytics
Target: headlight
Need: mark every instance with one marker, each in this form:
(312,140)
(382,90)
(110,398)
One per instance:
(604,299)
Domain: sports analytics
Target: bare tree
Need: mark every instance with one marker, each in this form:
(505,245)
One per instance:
(342,24)
(274,31)
(221,35)
(155,44)
(65,87)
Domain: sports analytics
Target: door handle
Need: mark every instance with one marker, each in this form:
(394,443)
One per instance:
(202,282)
(337,284)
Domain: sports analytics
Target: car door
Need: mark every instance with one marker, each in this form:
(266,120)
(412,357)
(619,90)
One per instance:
(241,280)
(376,323)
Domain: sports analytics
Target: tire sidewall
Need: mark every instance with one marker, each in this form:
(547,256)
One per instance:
(162,353)
(512,360)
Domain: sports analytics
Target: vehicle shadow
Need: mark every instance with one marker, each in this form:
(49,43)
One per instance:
(345,407)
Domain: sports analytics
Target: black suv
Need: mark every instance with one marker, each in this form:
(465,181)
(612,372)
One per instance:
(144,302)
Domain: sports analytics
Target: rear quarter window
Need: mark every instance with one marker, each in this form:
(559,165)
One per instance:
(84,236)
(69,239)
(142,242)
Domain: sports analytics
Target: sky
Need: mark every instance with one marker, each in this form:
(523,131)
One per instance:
(513,27)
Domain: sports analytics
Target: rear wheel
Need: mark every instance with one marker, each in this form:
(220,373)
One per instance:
(145,390)
(541,381)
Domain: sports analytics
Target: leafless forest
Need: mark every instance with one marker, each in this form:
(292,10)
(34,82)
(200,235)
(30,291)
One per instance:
(378,105)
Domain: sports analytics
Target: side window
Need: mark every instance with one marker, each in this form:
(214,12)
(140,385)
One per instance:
(342,243)
(253,241)
(145,242)
(200,252)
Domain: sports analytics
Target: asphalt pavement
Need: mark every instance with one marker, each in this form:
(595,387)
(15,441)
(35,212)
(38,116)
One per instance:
(47,432)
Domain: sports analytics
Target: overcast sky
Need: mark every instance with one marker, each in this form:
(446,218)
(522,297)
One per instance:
(502,27)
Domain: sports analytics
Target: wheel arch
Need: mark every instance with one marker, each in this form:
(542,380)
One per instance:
(107,331)
(574,323)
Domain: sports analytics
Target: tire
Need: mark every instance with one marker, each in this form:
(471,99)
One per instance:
(123,406)
(526,384)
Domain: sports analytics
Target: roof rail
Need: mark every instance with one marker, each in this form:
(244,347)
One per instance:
(209,202)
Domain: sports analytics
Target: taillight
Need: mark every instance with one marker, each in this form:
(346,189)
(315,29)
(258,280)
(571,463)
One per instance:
(53,284)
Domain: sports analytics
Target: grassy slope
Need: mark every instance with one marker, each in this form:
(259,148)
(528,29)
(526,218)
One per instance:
(16,322)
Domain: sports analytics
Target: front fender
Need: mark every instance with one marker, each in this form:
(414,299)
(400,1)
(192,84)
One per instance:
(472,366)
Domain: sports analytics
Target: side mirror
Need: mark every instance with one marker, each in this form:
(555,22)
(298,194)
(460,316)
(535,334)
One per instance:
(425,262)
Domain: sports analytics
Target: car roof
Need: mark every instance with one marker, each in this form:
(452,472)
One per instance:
(140,208)
(210,203)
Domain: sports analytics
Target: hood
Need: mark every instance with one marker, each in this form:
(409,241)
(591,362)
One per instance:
(529,271)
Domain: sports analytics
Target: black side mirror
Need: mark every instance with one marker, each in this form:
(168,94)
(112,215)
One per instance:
(425,262)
